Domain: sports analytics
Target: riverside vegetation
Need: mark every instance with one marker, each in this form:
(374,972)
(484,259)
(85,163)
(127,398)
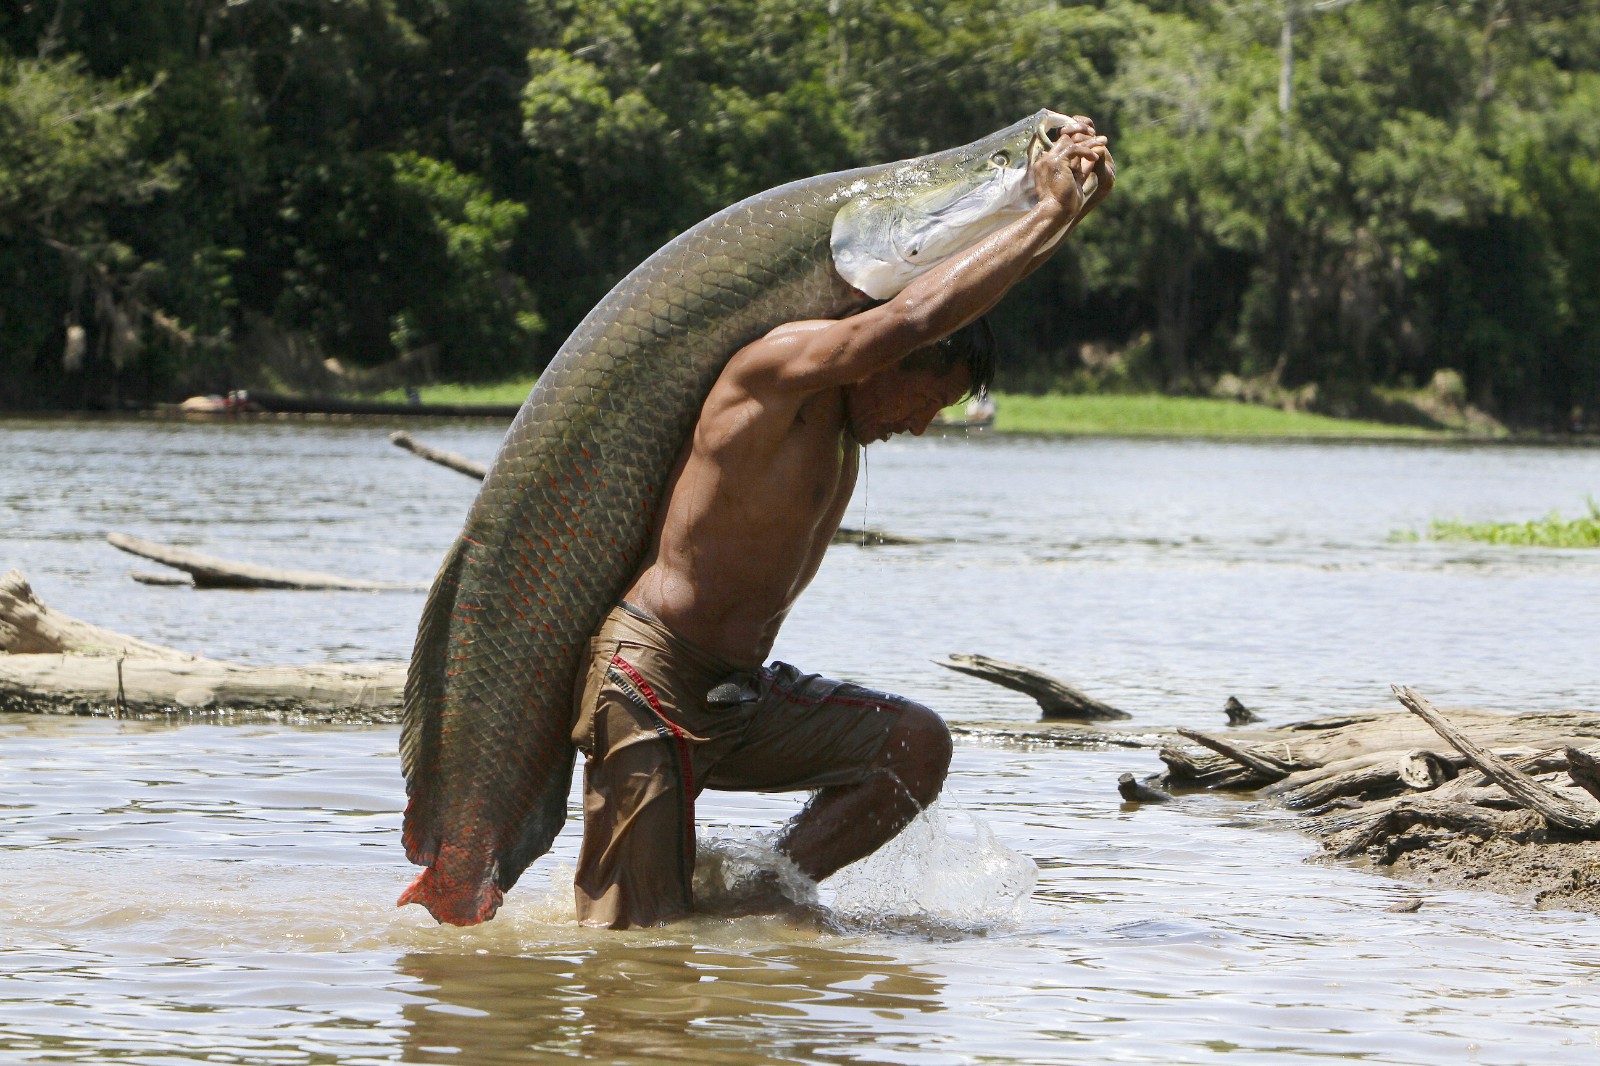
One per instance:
(1325,202)
(1098,413)
(1551,531)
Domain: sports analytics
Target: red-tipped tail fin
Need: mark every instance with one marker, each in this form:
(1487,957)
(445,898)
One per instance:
(452,900)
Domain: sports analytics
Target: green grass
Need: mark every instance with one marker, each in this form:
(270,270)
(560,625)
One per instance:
(1176,416)
(1142,416)
(1552,531)
(506,392)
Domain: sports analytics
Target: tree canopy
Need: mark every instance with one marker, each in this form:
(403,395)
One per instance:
(212,194)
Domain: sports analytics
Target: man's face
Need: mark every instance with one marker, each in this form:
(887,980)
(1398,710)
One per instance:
(901,401)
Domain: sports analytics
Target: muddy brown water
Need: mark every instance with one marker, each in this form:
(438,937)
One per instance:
(191,892)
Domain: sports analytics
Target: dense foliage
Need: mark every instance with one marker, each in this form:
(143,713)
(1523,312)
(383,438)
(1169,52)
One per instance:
(205,194)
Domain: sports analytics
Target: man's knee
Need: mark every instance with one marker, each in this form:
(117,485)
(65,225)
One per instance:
(918,751)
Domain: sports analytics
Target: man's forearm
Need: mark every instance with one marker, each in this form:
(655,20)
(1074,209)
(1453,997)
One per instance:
(963,287)
(967,285)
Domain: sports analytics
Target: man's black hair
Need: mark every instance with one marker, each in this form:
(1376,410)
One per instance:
(973,344)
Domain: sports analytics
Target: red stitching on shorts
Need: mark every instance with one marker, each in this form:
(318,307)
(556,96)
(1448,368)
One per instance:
(685,752)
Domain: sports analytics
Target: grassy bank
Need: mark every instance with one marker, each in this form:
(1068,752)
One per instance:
(506,392)
(1144,416)
(1176,416)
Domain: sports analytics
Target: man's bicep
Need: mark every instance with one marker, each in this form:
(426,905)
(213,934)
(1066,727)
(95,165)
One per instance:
(807,357)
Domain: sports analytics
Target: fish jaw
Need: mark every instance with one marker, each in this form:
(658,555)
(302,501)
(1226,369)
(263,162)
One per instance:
(924,211)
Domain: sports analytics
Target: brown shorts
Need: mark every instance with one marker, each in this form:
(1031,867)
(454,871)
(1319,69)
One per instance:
(659,720)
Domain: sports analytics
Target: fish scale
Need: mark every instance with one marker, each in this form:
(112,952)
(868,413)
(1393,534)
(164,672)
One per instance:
(566,513)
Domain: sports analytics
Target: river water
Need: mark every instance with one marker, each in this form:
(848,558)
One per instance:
(179,892)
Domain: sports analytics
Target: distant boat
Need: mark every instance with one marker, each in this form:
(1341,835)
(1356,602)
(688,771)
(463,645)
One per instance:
(979,414)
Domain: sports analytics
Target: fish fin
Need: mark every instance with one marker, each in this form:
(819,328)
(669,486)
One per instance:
(422,719)
(543,822)
(452,901)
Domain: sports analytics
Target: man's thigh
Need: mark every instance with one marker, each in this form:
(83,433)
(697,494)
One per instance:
(806,731)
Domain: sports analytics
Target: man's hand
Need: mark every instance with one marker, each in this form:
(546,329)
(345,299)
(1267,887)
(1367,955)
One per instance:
(1105,172)
(1060,172)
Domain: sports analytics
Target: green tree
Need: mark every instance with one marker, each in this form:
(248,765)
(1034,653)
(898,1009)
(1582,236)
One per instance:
(72,157)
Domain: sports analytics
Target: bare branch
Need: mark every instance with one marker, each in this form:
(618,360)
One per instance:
(1550,805)
(1264,765)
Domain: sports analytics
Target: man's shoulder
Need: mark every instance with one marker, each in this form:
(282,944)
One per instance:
(780,342)
(765,361)
(803,326)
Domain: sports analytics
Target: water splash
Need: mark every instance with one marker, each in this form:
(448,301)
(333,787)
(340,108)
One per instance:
(933,879)
(726,871)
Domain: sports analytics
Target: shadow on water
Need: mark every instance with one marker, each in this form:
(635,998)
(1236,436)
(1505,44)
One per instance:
(660,1003)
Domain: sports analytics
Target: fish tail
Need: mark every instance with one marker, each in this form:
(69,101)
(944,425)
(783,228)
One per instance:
(455,900)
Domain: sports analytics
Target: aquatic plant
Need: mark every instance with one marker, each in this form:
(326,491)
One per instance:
(1552,531)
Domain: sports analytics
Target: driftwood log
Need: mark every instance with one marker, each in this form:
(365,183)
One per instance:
(1057,700)
(52,663)
(459,463)
(864,537)
(208,571)
(28,627)
(867,537)
(1468,799)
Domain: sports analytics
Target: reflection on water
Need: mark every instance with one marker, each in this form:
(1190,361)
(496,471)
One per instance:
(669,1002)
(176,892)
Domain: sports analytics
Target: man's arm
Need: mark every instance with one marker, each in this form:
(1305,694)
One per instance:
(824,354)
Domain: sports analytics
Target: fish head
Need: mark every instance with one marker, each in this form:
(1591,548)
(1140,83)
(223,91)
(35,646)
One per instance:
(913,215)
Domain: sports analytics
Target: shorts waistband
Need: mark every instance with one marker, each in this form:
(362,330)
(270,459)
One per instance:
(643,623)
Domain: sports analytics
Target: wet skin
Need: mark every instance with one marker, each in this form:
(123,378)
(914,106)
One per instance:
(765,478)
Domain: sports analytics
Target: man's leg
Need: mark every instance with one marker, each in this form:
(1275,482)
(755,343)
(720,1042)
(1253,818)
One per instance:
(843,823)
(874,759)
(637,861)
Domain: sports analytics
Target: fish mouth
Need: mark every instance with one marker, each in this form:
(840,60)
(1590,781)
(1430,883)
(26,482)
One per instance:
(923,213)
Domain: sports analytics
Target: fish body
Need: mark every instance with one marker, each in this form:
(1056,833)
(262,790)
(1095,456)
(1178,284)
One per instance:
(567,510)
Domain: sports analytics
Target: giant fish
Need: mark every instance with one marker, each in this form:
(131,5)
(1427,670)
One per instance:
(567,510)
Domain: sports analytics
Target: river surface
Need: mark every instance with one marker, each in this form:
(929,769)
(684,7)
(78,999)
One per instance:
(182,892)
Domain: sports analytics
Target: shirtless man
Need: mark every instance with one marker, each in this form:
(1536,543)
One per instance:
(677,698)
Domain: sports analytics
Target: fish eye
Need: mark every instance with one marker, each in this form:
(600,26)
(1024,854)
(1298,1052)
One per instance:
(1000,159)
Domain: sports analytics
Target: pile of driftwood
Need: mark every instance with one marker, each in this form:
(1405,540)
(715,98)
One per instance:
(1509,803)
(55,664)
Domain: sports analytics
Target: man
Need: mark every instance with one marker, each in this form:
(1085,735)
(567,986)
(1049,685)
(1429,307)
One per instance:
(677,698)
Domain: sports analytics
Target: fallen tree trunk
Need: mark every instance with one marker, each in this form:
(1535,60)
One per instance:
(867,537)
(459,463)
(208,571)
(1057,699)
(864,537)
(27,626)
(56,664)
(155,688)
